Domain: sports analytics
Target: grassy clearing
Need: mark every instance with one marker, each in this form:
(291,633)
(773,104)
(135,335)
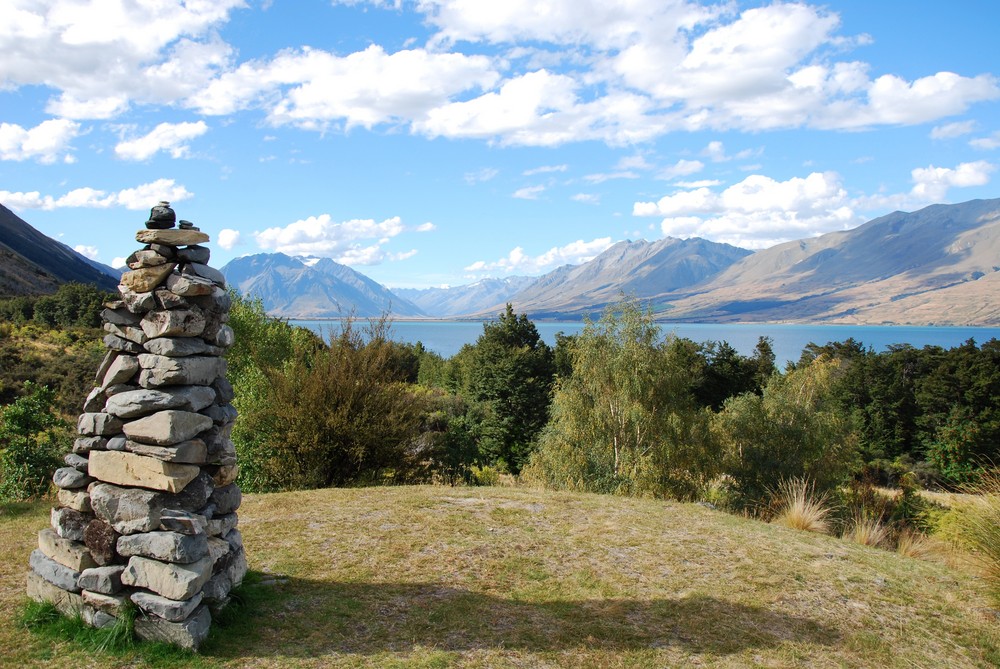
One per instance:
(495,577)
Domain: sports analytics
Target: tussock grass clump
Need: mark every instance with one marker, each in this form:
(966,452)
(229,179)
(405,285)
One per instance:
(979,528)
(867,531)
(800,508)
(915,545)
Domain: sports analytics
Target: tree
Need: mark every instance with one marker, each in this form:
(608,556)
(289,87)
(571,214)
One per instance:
(795,429)
(29,448)
(510,372)
(625,421)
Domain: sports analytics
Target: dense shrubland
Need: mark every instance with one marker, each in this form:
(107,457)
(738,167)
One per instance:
(618,408)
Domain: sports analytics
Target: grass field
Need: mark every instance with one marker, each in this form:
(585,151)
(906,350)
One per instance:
(507,577)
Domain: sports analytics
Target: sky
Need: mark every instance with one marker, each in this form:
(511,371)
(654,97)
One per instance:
(438,142)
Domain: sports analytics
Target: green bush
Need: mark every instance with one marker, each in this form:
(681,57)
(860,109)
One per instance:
(29,439)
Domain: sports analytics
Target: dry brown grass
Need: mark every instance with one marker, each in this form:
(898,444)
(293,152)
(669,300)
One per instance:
(507,577)
(866,531)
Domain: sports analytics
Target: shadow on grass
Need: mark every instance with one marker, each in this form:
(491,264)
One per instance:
(305,618)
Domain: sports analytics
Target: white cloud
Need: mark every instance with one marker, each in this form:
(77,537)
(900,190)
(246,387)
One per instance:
(701,183)
(931,183)
(46,142)
(528,192)
(171,137)
(426,227)
(987,143)
(952,130)
(682,168)
(756,212)
(517,262)
(98,55)
(88,251)
(353,242)
(587,198)
(545,169)
(228,238)
(609,176)
(480,176)
(118,262)
(137,198)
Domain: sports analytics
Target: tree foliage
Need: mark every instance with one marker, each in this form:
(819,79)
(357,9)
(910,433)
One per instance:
(29,444)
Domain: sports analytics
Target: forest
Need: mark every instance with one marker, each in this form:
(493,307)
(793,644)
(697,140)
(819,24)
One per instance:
(619,408)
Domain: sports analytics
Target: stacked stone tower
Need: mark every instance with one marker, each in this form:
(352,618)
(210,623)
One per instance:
(147,500)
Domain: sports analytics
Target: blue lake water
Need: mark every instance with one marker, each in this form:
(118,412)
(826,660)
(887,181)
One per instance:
(447,337)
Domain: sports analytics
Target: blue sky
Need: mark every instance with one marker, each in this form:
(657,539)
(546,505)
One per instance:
(436,142)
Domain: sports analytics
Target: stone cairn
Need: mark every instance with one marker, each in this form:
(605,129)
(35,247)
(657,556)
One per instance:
(147,500)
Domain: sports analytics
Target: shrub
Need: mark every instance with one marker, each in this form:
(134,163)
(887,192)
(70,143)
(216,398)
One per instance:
(800,508)
(914,544)
(30,445)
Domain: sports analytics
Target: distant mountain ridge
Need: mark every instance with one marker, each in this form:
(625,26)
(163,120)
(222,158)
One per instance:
(33,264)
(468,299)
(289,287)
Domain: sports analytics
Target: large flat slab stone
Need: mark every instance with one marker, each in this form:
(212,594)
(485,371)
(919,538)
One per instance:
(57,574)
(189,633)
(129,469)
(40,590)
(165,428)
(165,546)
(71,554)
(144,280)
(175,237)
(173,581)
(127,510)
(159,370)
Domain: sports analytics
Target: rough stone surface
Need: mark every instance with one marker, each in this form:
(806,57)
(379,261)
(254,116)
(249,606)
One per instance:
(223,390)
(101,540)
(189,286)
(137,303)
(98,425)
(118,343)
(199,254)
(77,462)
(116,443)
(173,581)
(168,609)
(193,497)
(88,444)
(119,316)
(174,322)
(129,469)
(141,402)
(225,475)
(180,347)
(131,333)
(205,272)
(171,237)
(226,499)
(187,634)
(103,601)
(127,510)
(192,452)
(221,413)
(167,300)
(121,370)
(69,478)
(95,401)
(69,523)
(57,574)
(184,522)
(165,546)
(146,279)
(220,526)
(145,258)
(78,500)
(71,554)
(103,580)
(40,590)
(158,370)
(167,427)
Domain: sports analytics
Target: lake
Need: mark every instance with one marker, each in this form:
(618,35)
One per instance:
(447,337)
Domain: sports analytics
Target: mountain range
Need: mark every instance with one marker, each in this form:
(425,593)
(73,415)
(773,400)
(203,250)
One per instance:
(33,264)
(938,265)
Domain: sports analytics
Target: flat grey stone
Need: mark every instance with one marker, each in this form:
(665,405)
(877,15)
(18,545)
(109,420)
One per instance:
(192,451)
(104,580)
(98,424)
(193,497)
(76,461)
(184,522)
(137,303)
(97,618)
(70,478)
(87,444)
(187,634)
(220,526)
(127,510)
(58,575)
(165,546)
(223,390)
(188,322)
(95,401)
(164,428)
(120,317)
(117,343)
(169,609)
(141,402)
(221,414)
(132,333)
(40,590)
(194,253)
(205,272)
(158,370)
(226,499)
(224,337)
(117,443)
(173,581)
(180,347)
(121,370)
(189,286)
